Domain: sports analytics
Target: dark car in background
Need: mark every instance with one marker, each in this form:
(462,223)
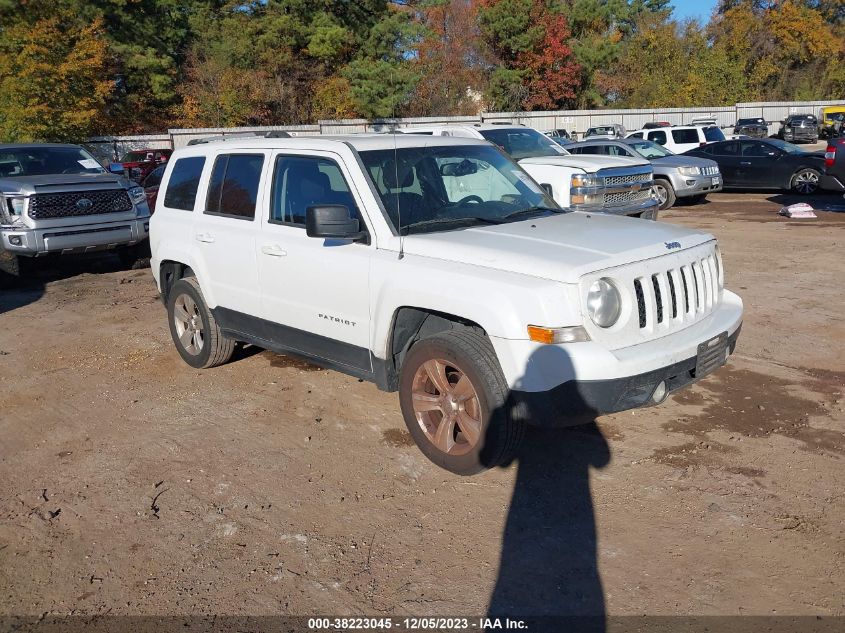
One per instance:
(754,128)
(765,164)
(144,160)
(799,128)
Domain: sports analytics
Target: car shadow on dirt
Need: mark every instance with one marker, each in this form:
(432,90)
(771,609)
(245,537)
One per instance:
(30,286)
(549,558)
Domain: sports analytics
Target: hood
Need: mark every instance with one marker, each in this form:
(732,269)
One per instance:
(560,247)
(590,163)
(684,161)
(61,182)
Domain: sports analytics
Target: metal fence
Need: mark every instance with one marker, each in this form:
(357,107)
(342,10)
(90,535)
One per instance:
(112,147)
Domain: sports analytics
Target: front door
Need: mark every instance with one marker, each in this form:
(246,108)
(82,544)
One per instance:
(315,292)
(759,164)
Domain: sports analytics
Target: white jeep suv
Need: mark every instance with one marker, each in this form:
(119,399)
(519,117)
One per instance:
(436,267)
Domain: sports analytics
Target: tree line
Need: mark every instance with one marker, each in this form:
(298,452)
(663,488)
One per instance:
(73,68)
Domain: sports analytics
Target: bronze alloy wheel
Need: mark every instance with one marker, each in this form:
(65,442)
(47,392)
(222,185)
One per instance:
(188,323)
(446,406)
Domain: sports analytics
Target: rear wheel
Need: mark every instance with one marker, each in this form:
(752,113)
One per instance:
(453,397)
(665,193)
(195,332)
(805,181)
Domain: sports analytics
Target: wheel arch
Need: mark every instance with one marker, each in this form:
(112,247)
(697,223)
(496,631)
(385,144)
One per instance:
(171,271)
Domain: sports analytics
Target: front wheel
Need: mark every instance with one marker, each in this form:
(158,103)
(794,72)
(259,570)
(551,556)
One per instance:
(665,193)
(805,181)
(453,397)
(195,332)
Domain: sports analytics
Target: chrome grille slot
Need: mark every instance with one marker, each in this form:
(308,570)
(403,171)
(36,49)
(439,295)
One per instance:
(625,180)
(686,289)
(671,276)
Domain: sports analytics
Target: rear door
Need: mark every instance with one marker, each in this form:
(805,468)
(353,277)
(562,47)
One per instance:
(226,234)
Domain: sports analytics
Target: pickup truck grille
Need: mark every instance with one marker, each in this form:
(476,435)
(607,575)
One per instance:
(625,197)
(611,181)
(685,293)
(70,205)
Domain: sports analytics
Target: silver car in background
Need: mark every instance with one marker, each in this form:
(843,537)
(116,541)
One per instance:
(675,175)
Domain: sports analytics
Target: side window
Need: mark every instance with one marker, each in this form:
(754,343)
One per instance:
(658,137)
(300,182)
(183,184)
(754,149)
(592,149)
(685,136)
(233,189)
(154,177)
(726,149)
(637,135)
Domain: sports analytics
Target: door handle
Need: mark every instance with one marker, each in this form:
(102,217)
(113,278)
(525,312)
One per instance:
(208,238)
(744,162)
(273,250)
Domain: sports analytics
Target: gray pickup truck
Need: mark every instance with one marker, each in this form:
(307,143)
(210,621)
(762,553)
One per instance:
(59,199)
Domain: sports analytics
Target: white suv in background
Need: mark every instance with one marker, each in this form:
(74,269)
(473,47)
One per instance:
(435,267)
(681,138)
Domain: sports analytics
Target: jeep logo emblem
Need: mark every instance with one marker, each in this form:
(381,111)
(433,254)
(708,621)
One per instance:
(671,245)
(83,204)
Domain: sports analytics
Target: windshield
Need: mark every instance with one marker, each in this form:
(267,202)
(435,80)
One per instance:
(650,149)
(40,161)
(523,142)
(598,131)
(789,148)
(451,187)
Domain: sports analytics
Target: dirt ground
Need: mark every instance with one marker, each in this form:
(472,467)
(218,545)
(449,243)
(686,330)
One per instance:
(133,484)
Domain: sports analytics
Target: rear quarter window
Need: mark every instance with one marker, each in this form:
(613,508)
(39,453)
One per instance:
(713,134)
(183,184)
(685,136)
(233,190)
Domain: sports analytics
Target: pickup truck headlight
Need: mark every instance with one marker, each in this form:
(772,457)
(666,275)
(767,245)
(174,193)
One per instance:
(136,195)
(583,180)
(689,171)
(604,303)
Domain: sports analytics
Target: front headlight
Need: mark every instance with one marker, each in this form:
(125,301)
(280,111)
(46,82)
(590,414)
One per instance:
(689,171)
(604,303)
(136,194)
(14,207)
(583,180)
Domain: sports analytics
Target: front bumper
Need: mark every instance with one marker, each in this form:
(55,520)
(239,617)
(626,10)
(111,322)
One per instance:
(73,238)
(806,136)
(578,402)
(686,186)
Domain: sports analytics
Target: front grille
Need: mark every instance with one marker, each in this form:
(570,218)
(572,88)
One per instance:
(692,291)
(65,205)
(611,181)
(710,171)
(623,197)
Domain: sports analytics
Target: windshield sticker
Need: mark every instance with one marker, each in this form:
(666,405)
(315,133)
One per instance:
(89,163)
(526,180)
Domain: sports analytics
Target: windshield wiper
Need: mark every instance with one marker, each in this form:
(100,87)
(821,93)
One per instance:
(530,211)
(455,220)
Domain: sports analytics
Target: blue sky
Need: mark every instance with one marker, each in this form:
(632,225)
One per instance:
(700,9)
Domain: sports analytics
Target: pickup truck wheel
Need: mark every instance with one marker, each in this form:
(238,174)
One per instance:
(805,181)
(665,193)
(453,397)
(195,333)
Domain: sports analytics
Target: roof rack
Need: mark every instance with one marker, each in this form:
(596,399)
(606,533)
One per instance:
(230,137)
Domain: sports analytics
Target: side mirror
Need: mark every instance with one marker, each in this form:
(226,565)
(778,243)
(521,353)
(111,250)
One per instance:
(332,221)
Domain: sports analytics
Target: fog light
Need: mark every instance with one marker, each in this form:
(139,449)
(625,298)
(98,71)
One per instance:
(16,240)
(660,392)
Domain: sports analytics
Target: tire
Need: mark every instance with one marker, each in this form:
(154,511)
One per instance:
(201,349)
(665,193)
(136,256)
(452,357)
(805,181)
